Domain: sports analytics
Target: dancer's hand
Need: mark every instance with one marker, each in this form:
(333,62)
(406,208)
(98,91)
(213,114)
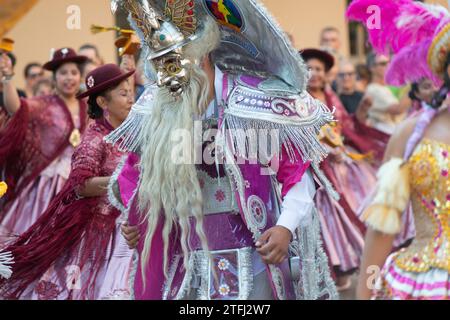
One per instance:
(6,67)
(131,235)
(273,245)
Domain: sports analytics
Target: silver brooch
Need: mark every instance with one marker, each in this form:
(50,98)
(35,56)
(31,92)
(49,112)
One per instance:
(65,51)
(90,82)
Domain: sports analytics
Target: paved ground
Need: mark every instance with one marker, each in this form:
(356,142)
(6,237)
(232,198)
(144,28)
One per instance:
(350,293)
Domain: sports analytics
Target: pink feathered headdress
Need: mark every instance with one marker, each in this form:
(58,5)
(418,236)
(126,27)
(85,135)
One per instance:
(405,28)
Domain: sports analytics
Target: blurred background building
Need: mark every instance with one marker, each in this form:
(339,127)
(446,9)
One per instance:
(39,25)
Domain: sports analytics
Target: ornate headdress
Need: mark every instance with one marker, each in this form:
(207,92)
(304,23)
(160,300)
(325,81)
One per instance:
(167,26)
(164,31)
(417,33)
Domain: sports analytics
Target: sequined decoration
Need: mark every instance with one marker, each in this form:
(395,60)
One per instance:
(429,165)
(182,13)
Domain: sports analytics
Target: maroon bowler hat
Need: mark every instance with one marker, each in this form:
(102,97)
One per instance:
(103,78)
(62,56)
(321,55)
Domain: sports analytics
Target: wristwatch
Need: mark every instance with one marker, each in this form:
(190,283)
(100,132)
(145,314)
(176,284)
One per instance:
(7,77)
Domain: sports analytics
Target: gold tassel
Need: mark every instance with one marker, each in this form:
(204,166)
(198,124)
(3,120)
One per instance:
(95,29)
(3,188)
(360,157)
(127,43)
(391,197)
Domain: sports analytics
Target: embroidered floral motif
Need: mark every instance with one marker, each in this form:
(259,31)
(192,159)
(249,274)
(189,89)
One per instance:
(118,294)
(47,290)
(277,277)
(258,213)
(223,264)
(220,195)
(90,82)
(217,193)
(224,290)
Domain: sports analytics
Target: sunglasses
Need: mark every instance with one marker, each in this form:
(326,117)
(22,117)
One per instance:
(35,75)
(382,63)
(346,74)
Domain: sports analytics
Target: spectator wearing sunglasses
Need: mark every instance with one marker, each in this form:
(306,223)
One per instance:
(33,73)
(346,83)
(386,111)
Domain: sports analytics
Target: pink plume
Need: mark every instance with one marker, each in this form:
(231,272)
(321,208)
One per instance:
(416,22)
(410,65)
(380,37)
(401,23)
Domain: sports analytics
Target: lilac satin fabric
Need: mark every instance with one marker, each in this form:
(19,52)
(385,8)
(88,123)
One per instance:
(251,81)
(424,120)
(128,182)
(34,199)
(129,178)
(149,288)
(32,202)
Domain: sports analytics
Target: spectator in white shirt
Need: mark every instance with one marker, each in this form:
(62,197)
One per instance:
(387,110)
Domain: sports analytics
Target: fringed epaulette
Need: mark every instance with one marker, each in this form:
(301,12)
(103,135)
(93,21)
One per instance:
(391,198)
(6,260)
(113,187)
(260,110)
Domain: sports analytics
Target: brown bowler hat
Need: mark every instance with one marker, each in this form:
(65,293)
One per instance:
(322,55)
(102,78)
(62,56)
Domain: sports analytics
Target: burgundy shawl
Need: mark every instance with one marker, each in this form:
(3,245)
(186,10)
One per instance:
(357,135)
(72,230)
(34,137)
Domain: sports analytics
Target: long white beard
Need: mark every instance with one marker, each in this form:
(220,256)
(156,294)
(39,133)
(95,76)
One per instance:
(169,186)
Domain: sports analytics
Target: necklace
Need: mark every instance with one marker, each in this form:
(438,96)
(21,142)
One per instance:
(75,138)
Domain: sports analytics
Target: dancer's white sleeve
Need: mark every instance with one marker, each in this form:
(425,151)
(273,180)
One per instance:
(298,204)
